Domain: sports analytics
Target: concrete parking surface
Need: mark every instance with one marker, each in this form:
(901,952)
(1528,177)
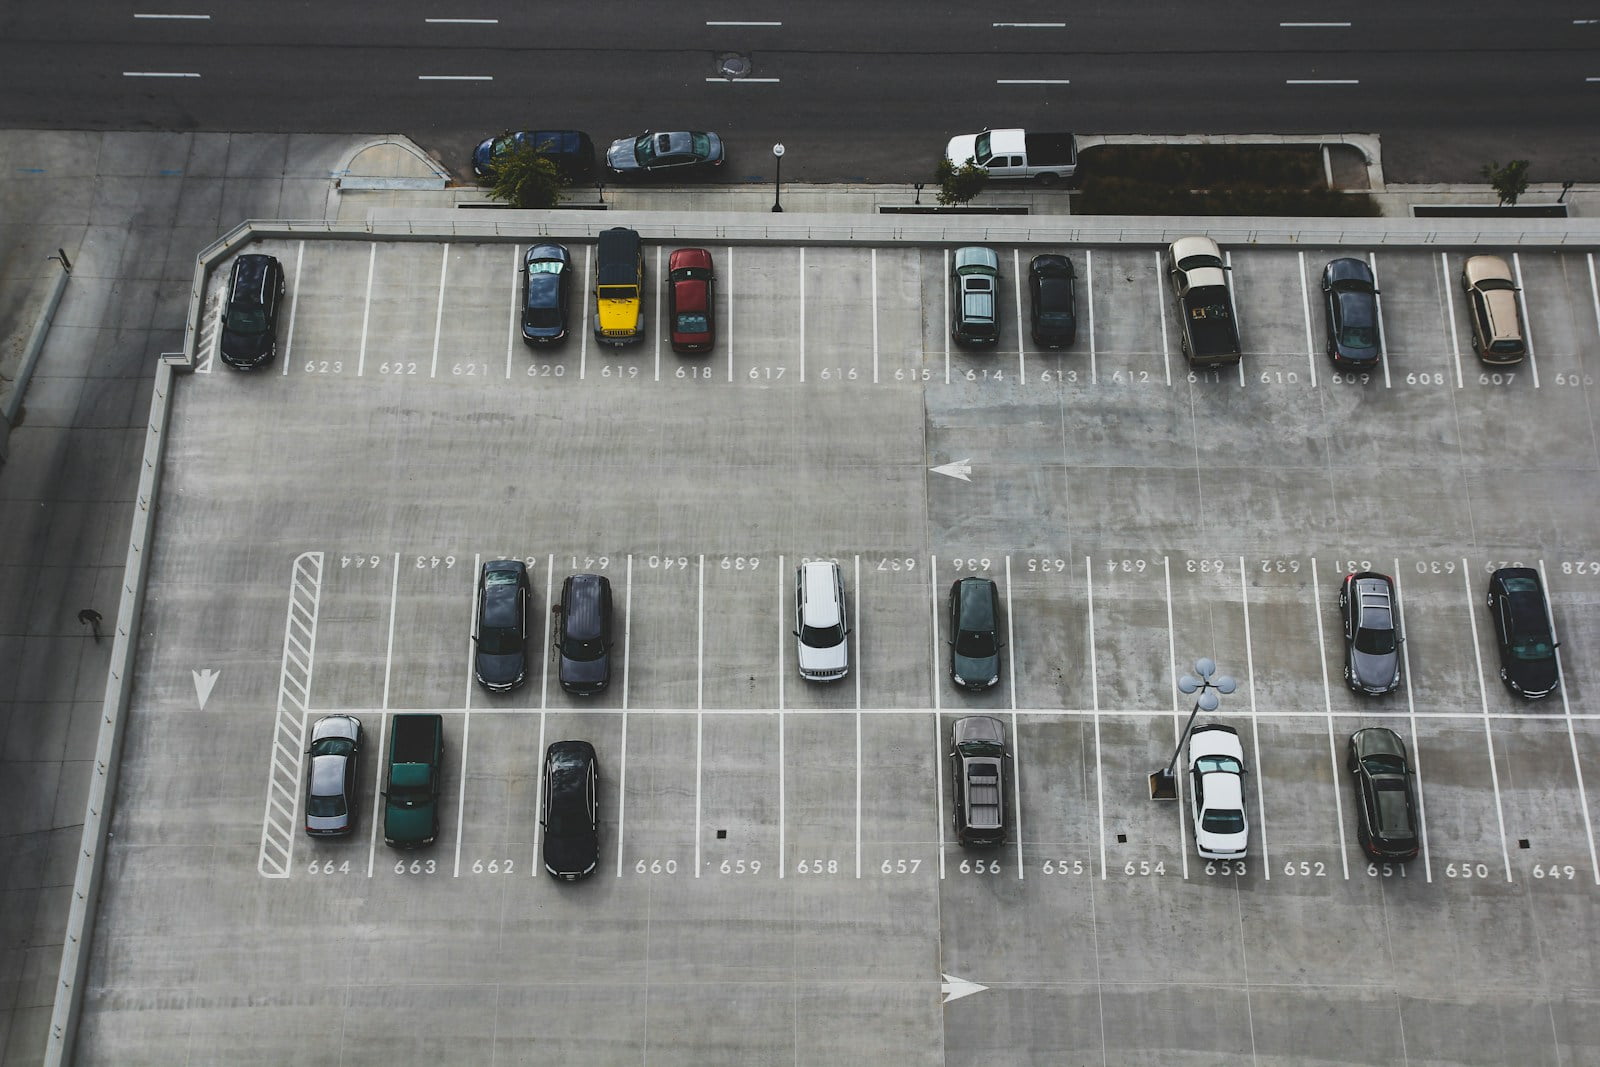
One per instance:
(778,879)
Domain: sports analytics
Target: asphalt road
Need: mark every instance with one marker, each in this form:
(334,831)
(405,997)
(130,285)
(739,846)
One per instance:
(855,92)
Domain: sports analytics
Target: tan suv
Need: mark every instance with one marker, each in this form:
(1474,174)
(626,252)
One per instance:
(1492,305)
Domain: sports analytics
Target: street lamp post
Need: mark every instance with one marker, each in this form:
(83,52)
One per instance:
(777,180)
(1163,783)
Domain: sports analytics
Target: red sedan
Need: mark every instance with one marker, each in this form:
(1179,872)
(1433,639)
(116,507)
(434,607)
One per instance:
(691,304)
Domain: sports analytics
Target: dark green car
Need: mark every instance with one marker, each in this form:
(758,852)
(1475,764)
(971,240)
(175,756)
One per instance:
(974,633)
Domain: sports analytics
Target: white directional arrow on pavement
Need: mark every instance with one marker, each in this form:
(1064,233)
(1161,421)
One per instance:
(204,680)
(961,468)
(955,988)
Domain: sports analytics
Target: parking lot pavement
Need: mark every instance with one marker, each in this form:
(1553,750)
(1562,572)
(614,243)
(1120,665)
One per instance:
(781,852)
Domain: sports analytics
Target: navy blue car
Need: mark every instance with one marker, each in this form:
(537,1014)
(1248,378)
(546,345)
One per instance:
(1350,304)
(546,293)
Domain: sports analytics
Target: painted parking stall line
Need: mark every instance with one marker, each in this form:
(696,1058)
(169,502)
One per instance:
(1016,734)
(1305,306)
(1177,711)
(1448,289)
(937,684)
(1094,703)
(366,309)
(438,314)
(513,323)
(1255,724)
(1415,740)
(1566,710)
(280,823)
(294,306)
(1527,323)
(1488,733)
(1327,701)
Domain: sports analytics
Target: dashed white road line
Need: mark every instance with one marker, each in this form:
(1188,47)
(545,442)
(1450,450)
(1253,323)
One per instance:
(159,74)
(455,77)
(463,22)
(1032,81)
(196,18)
(1322,81)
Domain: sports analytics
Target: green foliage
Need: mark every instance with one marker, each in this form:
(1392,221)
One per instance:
(958,185)
(1211,180)
(1509,181)
(526,178)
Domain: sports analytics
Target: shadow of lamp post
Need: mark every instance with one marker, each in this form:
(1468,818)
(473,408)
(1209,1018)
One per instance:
(1163,783)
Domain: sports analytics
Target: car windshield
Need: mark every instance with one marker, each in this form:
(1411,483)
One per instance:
(545,266)
(982,748)
(1207,764)
(702,145)
(1188,263)
(1055,318)
(975,644)
(1358,337)
(822,636)
(692,322)
(332,746)
(1375,642)
(1494,283)
(1383,763)
(1223,821)
(247,318)
(584,650)
(1506,346)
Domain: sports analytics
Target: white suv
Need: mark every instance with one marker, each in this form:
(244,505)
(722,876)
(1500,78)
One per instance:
(820,622)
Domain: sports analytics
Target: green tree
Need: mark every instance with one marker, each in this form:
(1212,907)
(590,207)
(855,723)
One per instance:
(958,185)
(526,178)
(1509,181)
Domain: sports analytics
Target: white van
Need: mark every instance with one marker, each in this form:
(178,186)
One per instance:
(820,622)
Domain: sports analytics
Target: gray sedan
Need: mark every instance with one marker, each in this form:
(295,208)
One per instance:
(331,791)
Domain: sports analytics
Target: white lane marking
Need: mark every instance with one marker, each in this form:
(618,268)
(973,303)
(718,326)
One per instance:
(1161,317)
(1488,736)
(366,308)
(783,638)
(699,704)
(1088,282)
(280,818)
(1094,691)
(944,287)
(1233,308)
(463,22)
(1016,734)
(513,326)
(388,652)
(1450,313)
(200,18)
(1016,290)
(438,315)
(1322,81)
(802,313)
(1377,298)
(1327,702)
(727,325)
(1305,306)
(538,805)
(854,618)
(1312,25)
(461,792)
(1572,739)
(544,630)
(1255,726)
(1594,292)
(472,629)
(874,320)
(454,77)
(159,74)
(758,81)
(1176,712)
(1527,326)
(294,301)
(1032,81)
(1416,742)
(622,775)
(1029,25)
(659,302)
(377,793)
(739,23)
(938,739)
(583,340)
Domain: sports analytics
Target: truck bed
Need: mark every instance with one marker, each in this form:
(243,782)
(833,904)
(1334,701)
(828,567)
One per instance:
(416,738)
(1050,149)
(1208,320)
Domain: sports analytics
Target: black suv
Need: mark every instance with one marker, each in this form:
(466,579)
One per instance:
(974,633)
(978,774)
(583,634)
(1522,630)
(250,320)
(1386,803)
(1371,633)
(571,808)
(501,659)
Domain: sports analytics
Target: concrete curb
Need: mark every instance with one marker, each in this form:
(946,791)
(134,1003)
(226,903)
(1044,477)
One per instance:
(30,355)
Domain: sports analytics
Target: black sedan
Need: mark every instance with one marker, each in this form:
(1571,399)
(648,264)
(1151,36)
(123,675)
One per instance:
(1386,801)
(501,659)
(1350,303)
(1053,301)
(331,792)
(974,633)
(681,154)
(546,293)
(1523,632)
(571,807)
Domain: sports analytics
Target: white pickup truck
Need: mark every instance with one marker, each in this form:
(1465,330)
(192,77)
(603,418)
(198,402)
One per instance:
(1016,154)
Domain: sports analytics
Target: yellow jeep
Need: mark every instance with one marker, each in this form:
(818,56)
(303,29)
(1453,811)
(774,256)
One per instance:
(619,287)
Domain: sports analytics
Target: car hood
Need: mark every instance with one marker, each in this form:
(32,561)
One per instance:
(836,658)
(620,155)
(590,674)
(961,148)
(500,670)
(245,347)
(1374,673)
(975,670)
(571,854)
(1534,677)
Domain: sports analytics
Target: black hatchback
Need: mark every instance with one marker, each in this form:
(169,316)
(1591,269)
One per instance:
(974,633)
(1386,802)
(250,319)
(1053,301)
(546,293)
(501,657)
(571,806)
(583,634)
(1523,632)
(1350,305)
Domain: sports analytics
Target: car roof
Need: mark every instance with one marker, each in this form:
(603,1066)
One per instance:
(1349,270)
(978,728)
(817,585)
(1184,247)
(1486,268)
(564,757)
(977,256)
(975,600)
(689,294)
(1051,264)
(547,251)
(582,597)
(689,257)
